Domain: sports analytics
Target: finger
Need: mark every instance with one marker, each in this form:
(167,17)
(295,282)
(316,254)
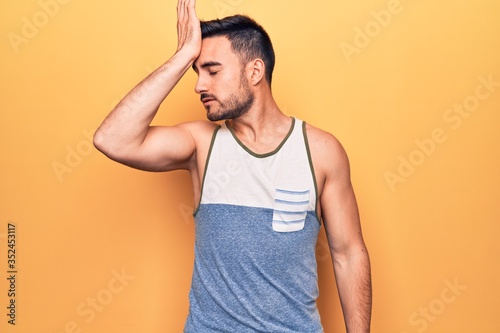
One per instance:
(179,5)
(191,8)
(181,15)
(181,10)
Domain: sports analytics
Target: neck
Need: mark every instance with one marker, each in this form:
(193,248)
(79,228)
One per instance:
(264,119)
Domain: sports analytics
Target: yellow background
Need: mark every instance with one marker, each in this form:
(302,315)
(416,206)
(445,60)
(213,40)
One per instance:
(81,219)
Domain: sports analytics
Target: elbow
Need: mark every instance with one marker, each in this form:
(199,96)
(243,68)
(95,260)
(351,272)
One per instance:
(112,147)
(103,144)
(98,141)
(347,255)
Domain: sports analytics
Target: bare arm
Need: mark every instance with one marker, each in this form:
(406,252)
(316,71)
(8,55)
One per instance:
(350,256)
(126,135)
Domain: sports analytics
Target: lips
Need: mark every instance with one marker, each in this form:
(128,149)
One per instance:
(205,98)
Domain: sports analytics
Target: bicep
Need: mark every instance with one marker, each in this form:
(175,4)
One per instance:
(341,217)
(164,148)
(338,205)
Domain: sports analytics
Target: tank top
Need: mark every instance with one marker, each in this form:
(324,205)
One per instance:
(256,229)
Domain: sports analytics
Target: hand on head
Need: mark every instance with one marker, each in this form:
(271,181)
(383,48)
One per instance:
(188,28)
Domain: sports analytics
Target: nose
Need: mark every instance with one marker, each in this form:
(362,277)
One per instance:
(200,85)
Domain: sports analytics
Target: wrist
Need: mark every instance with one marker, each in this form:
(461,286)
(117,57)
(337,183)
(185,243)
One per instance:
(188,55)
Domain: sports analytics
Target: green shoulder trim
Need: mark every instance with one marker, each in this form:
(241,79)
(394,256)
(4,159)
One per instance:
(306,141)
(266,154)
(206,167)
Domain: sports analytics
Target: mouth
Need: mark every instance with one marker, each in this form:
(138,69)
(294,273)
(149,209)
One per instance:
(207,102)
(206,99)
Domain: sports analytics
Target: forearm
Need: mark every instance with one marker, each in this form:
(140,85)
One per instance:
(353,276)
(128,123)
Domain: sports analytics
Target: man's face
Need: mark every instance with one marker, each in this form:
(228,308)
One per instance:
(222,83)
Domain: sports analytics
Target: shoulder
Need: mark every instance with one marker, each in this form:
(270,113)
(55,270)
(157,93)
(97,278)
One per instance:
(324,143)
(327,153)
(198,135)
(200,130)
(189,135)
(200,126)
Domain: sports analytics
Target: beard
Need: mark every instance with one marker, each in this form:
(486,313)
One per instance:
(236,105)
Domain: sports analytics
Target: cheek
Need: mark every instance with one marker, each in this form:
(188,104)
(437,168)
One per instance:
(224,86)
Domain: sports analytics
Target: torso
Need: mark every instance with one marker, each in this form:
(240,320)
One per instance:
(256,232)
(203,133)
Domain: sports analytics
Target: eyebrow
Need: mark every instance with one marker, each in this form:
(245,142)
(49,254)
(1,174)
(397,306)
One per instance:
(206,64)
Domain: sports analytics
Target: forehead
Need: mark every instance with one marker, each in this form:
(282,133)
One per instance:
(216,49)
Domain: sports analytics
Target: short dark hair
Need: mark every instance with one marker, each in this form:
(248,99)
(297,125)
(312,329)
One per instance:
(248,39)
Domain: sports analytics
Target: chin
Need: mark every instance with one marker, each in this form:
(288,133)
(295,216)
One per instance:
(213,117)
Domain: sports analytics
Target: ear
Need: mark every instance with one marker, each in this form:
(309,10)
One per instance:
(257,71)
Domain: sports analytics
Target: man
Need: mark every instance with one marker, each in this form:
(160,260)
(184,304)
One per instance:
(255,267)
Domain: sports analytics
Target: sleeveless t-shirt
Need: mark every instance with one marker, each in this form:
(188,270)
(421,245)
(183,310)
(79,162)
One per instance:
(256,232)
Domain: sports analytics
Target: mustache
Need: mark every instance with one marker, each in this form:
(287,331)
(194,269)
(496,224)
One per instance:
(205,96)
